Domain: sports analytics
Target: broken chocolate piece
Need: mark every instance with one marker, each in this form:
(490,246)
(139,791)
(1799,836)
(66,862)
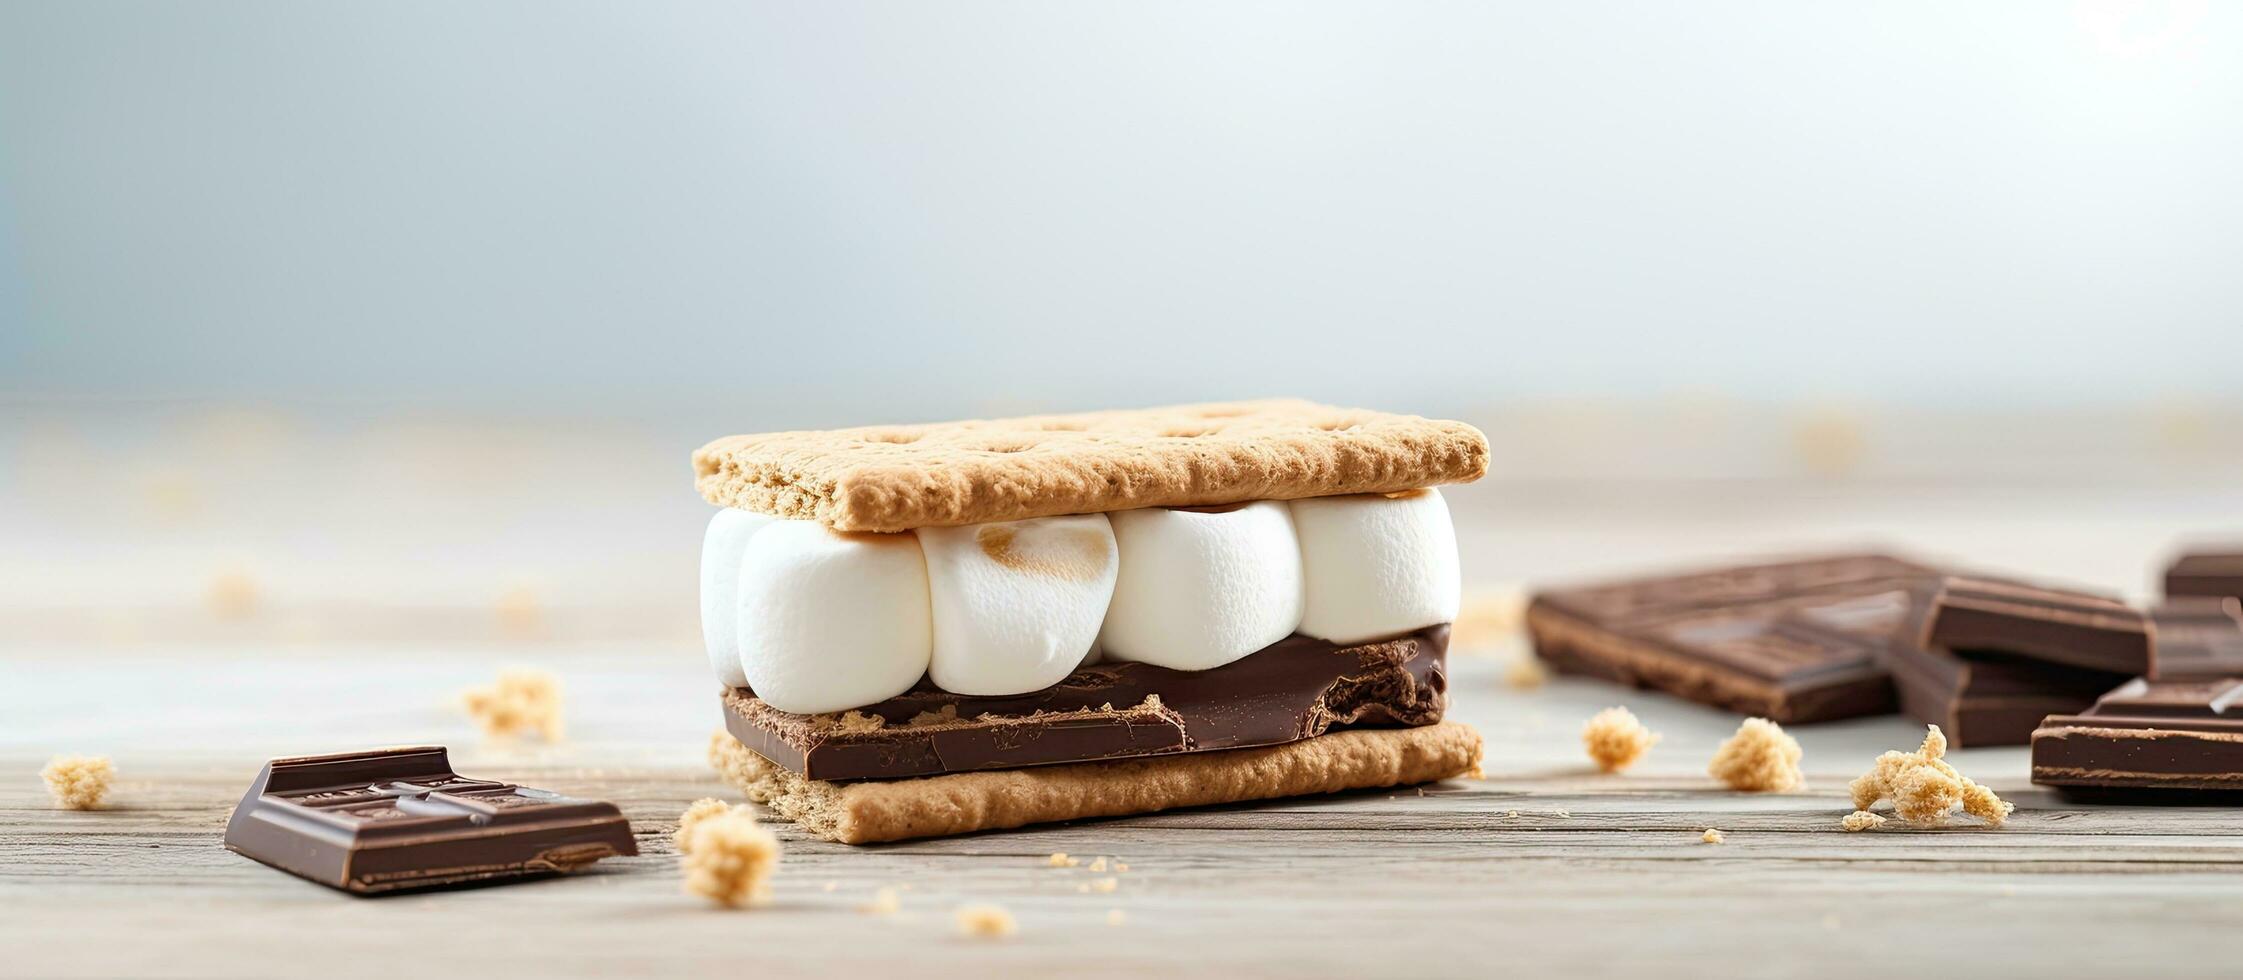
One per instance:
(391,819)
(2164,739)
(2198,637)
(1295,689)
(2206,573)
(1736,638)
(2074,629)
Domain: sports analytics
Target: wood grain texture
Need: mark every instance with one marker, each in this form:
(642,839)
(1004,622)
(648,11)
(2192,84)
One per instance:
(1544,867)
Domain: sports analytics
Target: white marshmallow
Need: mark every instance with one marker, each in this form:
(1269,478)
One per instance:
(831,621)
(721,548)
(1376,566)
(1200,589)
(1017,604)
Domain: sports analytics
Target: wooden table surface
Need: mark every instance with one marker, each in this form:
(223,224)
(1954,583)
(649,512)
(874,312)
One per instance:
(1544,866)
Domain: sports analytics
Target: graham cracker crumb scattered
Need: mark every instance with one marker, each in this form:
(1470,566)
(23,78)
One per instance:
(1525,673)
(884,902)
(1760,758)
(1115,917)
(1925,789)
(734,763)
(1615,739)
(1488,619)
(1120,868)
(1059,859)
(1098,864)
(858,721)
(523,700)
(232,595)
(78,782)
(1861,820)
(1712,836)
(985,921)
(1105,885)
(701,811)
(729,859)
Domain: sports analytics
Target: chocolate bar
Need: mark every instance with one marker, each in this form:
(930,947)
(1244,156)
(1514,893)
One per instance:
(1736,638)
(2157,739)
(371,822)
(1296,689)
(2206,573)
(2198,637)
(2073,629)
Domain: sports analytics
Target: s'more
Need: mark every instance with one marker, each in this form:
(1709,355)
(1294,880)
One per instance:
(925,630)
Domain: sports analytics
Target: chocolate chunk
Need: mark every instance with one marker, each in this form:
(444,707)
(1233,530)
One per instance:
(2074,629)
(370,822)
(2164,739)
(1295,689)
(2206,573)
(1741,638)
(2198,637)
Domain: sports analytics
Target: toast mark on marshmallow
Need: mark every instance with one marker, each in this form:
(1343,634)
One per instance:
(1074,554)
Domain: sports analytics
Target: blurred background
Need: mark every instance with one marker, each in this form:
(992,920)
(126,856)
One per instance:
(349,324)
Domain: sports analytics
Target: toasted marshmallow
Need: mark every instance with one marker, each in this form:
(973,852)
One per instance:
(1201,588)
(721,548)
(831,621)
(1017,604)
(1376,565)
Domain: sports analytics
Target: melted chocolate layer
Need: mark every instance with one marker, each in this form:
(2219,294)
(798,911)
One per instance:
(1294,689)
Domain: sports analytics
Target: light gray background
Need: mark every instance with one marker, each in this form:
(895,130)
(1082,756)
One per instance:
(831,212)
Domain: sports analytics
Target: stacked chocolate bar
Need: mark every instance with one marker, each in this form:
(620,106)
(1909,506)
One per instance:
(2106,694)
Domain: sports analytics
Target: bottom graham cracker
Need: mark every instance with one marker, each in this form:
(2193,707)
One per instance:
(962,803)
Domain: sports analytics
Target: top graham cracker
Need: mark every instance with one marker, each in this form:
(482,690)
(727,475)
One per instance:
(900,477)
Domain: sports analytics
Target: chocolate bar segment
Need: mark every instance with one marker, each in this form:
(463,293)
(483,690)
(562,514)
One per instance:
(2160,738)
(2198,637)
(1295,689)
(371,822)
(2206,573)
(2074,629)
(1738,638)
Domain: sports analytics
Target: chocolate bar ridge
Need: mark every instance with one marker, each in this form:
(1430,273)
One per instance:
(2148,735)
(2075,629)
(1297,688)
(2206,573)
(391,819)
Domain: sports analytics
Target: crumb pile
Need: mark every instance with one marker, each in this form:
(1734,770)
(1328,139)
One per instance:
(1760,758)
(522,701)
(1615,739)
(78,782)
(1925,789)
(1861,820)
(884,902)
(731,760)
(727,858)
(1712,836)
(699,812)
(986,921)
(1525,672)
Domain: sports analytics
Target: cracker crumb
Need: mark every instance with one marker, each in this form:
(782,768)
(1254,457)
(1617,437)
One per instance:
(1059,859)
(1098,864)
(1925,789)
(1759,758)
(858,721)
(1115,917)
(1513,814)
(698,813)
(884,902)
(232,595)
(1525,673)
(78,782)
(520,614)
(1615,739)
(523,700)
(730,759)
(1861,820)
(1712,836)
(1120,868)
(985,921)
(729,859)
(1487,619)
(1105,886)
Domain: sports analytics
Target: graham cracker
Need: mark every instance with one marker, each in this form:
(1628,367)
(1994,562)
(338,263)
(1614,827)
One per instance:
(961,803)
(901,477)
